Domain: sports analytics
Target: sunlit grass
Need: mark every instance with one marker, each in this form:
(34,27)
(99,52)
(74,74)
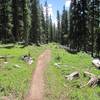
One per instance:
(13,80)
(16,81)
(59,88)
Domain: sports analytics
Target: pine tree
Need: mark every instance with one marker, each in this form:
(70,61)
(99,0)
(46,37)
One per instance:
(97,27)
(18,25)
(91,13)
(83,28)
(35,29)
(98,42)
(79,32)
(73,24)
(54,29)
(64,27)
(93,22)
(58,27)
(26,20)
(6,20)
(51,30)
(46,22)
(1,6)
(42,25)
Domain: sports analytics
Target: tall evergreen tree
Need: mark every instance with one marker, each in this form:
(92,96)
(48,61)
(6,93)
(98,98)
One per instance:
(1,8)
(6,21)
(18,25)
(97,27)
(26,20)
(98,42)
(35,29)
(92,22)
(73,24)
(54,31)
(51,30)
(94,11)
(46,22)
(84,32)
(42,25)
(58,27)
(78,27)
(64,26)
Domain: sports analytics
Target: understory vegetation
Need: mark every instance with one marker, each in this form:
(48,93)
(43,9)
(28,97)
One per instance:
(59,88)
(15,80)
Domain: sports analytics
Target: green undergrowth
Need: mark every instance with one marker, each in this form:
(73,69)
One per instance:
(59,88)
(13,80)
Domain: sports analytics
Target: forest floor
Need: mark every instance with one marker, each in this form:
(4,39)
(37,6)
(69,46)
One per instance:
(63,63)
(36,91)
(16,82)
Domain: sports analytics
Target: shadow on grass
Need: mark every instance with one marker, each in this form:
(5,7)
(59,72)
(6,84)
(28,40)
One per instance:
(72,51)
(7,46)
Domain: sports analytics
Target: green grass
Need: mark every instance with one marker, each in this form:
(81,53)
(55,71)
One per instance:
(59,88)
(15,81)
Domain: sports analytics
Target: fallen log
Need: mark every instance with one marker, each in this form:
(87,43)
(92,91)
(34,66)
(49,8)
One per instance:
(94,80)
(5,58)
(8,56)
(88,74)
(72,75)
(7,46)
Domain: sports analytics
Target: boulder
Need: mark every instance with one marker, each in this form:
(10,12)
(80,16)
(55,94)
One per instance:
(27,59)
(96,62)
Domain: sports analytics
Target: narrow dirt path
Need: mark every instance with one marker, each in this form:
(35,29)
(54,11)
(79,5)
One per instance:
(37,83)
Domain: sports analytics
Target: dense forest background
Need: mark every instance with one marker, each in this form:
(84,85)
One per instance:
(78,29)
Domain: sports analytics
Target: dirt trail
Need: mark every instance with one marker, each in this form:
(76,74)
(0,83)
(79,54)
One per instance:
(37,83)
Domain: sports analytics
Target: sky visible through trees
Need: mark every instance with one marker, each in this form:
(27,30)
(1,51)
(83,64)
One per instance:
(56,5)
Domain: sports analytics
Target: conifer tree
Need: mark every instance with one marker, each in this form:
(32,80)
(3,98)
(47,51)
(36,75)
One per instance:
(54,29)
(94,22)
(79,32)
(18,25)
(42,25)
(26,20)
(73,23)
(46,22)
(35,29)
(58,27)
(6,21)
(51,30)
(1,8)
(64,26)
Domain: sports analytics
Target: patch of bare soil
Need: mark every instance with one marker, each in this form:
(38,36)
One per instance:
(36,90)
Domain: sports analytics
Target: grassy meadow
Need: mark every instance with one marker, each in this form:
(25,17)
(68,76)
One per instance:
(59,88)
(15,81)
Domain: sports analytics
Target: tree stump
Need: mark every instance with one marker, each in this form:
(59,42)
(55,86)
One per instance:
(72,75)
